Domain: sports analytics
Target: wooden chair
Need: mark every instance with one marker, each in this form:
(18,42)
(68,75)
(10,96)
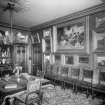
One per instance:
(47,70)
(100,86)
(9,99)
(87,80)
(73,78)
(64,75)
(32,95)
(54,75)
(75,73)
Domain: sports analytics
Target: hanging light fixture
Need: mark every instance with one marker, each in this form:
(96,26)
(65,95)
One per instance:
(12,6)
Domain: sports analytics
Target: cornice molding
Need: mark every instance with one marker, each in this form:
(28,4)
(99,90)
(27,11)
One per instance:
(69,17)
(15,27)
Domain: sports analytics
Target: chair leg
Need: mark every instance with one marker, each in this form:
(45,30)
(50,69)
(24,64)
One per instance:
(53,82)
(93,94)
(15,101)
(63,84)
(87,92)
(73,87)
(76,88)
(41,98)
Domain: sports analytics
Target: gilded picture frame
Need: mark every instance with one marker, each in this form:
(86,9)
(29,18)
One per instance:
(47,40)
(72,36)
(35,38)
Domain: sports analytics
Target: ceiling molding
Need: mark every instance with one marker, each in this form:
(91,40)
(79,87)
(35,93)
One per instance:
(69,17)
(15,27)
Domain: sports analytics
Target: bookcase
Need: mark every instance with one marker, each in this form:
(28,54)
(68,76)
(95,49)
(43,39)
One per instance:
(6,49)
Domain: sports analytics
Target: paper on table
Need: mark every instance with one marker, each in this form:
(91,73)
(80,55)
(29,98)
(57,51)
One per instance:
(8,86)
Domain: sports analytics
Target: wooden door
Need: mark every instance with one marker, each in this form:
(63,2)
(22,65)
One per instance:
(20,56)
(37,58)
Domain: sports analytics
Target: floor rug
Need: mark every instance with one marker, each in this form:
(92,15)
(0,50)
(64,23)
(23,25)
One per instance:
(59,96)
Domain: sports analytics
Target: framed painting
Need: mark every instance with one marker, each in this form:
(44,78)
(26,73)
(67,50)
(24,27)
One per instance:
(47,58)
(5,37)
(35,38)
(47,33)
(100,61)
(100,20)
(84,59)
(69,59)
(98,42)
(21,38)
(57,58)
(72,36)
(47,40)
(46,45)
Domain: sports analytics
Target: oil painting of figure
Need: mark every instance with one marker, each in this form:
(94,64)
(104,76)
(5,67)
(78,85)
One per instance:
(72,37)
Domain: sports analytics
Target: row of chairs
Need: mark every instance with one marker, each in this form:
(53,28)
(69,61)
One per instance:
(80,78)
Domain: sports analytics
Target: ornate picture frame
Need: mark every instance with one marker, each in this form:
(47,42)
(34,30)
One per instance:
(72,36)
(35,38)
(100,60)
(84,59)
(98,42)
(21,38)
(100,20)
(57,58)
(47,58)
(47,40)
(47,33)
(69,60)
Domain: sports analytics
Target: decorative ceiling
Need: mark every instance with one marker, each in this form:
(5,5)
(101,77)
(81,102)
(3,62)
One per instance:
(40,11)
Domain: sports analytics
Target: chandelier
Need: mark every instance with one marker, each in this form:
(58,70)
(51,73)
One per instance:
(12,6)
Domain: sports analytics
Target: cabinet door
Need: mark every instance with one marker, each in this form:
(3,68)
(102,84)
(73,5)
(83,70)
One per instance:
(21,56)
(37,58)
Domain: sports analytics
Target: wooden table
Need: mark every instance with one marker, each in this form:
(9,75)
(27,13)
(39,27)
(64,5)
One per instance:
(21,85)
(9,91)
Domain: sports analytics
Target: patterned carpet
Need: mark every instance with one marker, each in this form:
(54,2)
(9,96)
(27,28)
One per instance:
(58,96)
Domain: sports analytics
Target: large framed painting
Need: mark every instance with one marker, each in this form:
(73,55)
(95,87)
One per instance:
(72,36)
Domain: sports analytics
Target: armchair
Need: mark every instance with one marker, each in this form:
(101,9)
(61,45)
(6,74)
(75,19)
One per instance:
(32,95)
